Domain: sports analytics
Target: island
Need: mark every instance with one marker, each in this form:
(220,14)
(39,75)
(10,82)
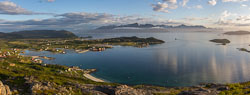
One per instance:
(243,49)
(237,33)
(28,75)
(221,41)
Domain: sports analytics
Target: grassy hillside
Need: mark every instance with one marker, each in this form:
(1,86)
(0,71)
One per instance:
(38,34)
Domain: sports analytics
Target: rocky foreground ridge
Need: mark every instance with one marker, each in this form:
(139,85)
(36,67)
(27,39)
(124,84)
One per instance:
(37,88)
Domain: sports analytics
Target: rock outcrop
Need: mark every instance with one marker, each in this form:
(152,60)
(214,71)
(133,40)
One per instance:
(126,90)
(4,89)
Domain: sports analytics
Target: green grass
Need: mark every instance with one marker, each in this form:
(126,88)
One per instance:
(237,89)
(14,75)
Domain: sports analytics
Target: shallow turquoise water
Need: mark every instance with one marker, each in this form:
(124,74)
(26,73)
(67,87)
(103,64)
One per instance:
(190,60)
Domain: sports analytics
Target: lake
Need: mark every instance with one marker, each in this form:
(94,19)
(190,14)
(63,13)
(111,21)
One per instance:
(186,59)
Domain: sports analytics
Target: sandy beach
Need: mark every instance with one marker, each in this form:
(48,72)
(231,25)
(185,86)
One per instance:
(93,78)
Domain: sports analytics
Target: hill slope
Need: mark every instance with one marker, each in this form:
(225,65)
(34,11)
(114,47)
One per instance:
(36,34)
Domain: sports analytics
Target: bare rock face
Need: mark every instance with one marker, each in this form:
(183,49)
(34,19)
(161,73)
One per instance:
(126,90)
(47,86)
(4,89)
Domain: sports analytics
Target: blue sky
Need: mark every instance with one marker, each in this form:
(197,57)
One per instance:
(84,14)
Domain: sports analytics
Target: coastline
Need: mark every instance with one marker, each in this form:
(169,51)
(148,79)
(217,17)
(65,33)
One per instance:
(93,78)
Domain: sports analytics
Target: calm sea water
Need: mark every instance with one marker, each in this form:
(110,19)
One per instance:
(187,61)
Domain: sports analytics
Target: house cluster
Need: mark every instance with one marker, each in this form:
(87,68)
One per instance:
(4,54)
(35,59)
(100,47)
(53,50)
(143,45)
(74,68)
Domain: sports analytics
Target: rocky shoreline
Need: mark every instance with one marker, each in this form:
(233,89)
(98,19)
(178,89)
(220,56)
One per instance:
(38,87)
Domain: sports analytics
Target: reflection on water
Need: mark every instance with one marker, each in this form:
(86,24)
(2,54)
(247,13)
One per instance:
(189,60)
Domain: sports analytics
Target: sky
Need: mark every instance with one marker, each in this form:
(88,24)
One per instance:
(80,15)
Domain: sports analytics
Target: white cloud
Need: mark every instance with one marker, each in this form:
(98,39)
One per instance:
(198,19)
(243,5)
(165,5)
(10,8)
(243,18)
(160,7)
(199,6)
(212,2)
(7,7)
(234,0)
(170,1)
(184,2)
(228,19)
(223,18)
(172,6)
(224,15)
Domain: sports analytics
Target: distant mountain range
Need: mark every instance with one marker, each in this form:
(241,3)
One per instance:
(37,34)
(136,25)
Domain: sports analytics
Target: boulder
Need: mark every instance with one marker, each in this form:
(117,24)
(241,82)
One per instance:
(223,88)
(4,89)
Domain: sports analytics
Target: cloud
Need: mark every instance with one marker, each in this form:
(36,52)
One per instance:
(10,8)
(47,1)
(212,2)
(199,6)
(233,20)
(243,5)
(170,1)
(184,2)
(68,19)
(206,21)
(234,0)
(223,18)
(160,7)
(51,0)
(233,23)
(243,18)
(79,21)
(197,19)
(164,6)
(7,7)
(225,14)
